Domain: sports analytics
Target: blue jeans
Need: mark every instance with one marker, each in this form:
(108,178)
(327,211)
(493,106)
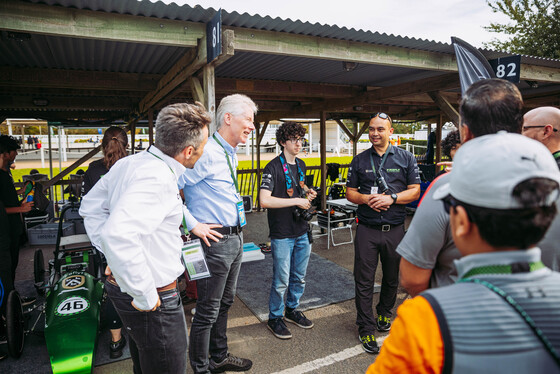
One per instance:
(158,339)
(290,257)
(208,337)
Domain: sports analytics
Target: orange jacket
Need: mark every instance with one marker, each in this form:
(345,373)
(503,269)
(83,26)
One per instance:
(414,344)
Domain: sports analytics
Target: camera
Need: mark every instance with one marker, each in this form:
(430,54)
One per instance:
(381,184)
(305,214)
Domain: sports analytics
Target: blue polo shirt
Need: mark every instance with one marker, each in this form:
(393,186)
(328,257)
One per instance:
(400,170)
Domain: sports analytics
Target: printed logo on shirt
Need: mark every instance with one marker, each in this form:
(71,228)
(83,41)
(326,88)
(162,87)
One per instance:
(266,180)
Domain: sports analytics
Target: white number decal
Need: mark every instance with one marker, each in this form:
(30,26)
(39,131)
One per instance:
(501,70)
(72,305)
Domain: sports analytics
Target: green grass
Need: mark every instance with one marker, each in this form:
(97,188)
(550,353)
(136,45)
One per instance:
(19,173)
(316,161)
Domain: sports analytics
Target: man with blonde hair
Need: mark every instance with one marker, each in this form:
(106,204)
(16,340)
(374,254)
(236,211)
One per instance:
(216,213)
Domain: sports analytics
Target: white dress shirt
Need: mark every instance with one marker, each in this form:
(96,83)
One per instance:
(132,215)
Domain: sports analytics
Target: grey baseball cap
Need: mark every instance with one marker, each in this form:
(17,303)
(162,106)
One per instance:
(487,169)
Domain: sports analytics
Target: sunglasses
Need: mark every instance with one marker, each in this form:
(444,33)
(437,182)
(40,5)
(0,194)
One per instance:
(524,128)
(450,202)
(382,116)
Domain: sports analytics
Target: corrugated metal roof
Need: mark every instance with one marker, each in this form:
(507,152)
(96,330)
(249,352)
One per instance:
(244,65)
(43,51)
(198,14)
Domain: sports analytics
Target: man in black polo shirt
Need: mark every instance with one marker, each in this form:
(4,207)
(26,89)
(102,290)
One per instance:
(11,226)
(381,180)
(284,193)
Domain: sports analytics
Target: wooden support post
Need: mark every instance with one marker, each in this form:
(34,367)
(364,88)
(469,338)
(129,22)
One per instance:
(323,145)
(151,126)
(438,138)
(210,95)
(355,140)
(69,169)
(258,168)
(133,135)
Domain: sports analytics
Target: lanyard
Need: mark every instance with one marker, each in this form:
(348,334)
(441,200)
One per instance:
(556,155)
(380,165)
(289,177)
(184,220)
(229,164)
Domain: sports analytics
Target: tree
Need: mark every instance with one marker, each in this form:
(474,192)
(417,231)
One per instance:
(534,30)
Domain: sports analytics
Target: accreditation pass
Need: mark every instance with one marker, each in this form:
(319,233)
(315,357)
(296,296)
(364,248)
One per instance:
(194,260)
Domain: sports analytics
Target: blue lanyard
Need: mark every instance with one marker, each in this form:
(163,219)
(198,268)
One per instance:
(287,173)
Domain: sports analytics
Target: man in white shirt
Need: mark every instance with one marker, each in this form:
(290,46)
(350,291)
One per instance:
(133,216)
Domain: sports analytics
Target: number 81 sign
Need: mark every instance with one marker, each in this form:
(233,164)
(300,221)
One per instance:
(507,68)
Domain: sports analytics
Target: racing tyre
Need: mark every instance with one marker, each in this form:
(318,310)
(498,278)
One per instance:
(39,271)
(14,325)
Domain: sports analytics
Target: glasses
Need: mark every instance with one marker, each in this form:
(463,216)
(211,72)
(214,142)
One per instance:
(449,201)
(298,140)
(382,116)
(524,128)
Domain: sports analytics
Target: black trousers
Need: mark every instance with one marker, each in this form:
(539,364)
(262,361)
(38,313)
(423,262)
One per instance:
(371,245)
(158,339)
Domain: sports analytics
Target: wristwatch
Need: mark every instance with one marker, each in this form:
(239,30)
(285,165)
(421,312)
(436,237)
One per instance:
(394,197)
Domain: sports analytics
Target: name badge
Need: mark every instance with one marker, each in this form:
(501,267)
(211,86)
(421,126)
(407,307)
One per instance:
(241,213)
(374,189)
(194,260)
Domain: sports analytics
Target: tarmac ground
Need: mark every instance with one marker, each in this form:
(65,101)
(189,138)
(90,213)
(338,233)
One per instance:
(330,347)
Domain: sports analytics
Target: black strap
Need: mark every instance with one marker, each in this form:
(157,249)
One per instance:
(519,309)
(375,173)
(447,367)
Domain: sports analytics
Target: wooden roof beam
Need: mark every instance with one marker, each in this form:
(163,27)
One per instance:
(445,107)
(183,69)
(78,23)
(76,79)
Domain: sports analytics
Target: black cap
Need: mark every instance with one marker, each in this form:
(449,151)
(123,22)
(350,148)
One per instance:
(8,143)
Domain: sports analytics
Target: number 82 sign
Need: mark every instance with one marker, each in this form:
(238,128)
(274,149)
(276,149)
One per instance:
(507,68)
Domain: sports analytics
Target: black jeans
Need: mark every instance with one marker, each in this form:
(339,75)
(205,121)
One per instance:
(158,339)
(208,337)
(369,246)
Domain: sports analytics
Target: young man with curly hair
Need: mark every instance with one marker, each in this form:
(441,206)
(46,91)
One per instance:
(284,193)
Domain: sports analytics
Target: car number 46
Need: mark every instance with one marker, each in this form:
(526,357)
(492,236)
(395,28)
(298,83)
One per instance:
(72,305)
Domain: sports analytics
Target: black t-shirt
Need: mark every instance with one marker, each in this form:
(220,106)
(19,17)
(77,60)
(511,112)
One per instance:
(281,221)
(94,172)
(400,170)
(10,199)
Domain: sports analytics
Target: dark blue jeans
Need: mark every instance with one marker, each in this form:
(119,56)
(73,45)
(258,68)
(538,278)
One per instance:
(208,337)
(290,257)
(158,339)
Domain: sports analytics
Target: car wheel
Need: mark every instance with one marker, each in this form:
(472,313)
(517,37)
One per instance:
(14,325)
(39,271)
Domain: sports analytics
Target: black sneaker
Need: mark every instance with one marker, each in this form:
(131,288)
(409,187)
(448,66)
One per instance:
(369,344)
(383,323)
(278,328)
(116,348)
(230,363)
(298,318)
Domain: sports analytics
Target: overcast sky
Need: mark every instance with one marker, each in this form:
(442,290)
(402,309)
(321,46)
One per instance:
(425,19)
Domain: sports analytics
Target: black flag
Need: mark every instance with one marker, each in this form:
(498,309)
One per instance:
(472,65)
